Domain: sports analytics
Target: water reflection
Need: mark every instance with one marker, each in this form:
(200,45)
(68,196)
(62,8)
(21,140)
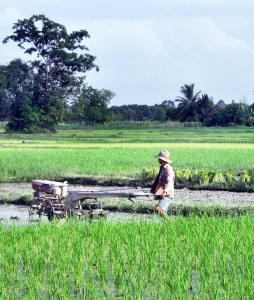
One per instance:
(19,214)
(14,213)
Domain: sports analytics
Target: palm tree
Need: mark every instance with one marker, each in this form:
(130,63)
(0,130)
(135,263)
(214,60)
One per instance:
(188,106)
(205,106)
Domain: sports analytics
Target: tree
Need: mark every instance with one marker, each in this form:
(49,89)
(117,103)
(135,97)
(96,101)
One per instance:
(169,103)
(130,114)
(251,123)
(59,64)
(92,105)
(235,114)
(159,114)
(133,112)
(4,104)
(188,103)
(18,96)
(170,109)
(205,105)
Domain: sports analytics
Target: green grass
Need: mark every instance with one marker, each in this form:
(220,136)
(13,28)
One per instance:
(185,258)
(125,153)
(139,135)
(24,163)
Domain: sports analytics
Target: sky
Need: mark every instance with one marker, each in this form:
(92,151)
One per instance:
(147,49)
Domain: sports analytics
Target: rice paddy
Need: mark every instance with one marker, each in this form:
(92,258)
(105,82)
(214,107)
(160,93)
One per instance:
(122,153)
(185,258)
(206,257)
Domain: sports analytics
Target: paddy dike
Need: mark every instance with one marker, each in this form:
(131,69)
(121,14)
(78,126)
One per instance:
(22,194)
(15,199)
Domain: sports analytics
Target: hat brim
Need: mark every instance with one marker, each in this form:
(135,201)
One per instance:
(163,158)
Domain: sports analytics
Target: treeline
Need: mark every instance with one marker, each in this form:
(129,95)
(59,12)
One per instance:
(27,107)
(218,114)
(37,95)
(190,107)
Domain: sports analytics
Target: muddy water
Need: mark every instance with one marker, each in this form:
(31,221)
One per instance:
(183,197)
(14,213)
(19,214)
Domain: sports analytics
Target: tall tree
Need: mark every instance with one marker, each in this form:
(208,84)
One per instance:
(4,103)
(188,103)
(60,63)
(19,78)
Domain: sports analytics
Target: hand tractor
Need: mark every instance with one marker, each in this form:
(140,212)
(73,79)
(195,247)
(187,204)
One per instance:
(54,200)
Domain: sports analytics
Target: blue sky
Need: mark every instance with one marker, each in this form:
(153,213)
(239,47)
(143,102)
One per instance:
(148,49)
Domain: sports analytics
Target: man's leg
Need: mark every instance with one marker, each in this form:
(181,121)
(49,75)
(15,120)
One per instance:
(162,207)
(160,211)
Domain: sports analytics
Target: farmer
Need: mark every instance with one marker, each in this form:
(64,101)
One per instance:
(163,186)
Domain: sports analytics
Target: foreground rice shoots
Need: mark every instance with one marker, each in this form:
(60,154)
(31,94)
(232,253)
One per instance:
(183,258)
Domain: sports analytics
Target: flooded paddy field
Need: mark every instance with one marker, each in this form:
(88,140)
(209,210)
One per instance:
(199,258)
(16,199)
(195,258)
(19,215)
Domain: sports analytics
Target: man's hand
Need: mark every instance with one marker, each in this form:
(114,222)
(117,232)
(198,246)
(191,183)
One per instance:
(163,195)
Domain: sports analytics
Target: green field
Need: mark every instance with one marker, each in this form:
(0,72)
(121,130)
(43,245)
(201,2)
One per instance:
(116,154)
(185,258)
(201,256)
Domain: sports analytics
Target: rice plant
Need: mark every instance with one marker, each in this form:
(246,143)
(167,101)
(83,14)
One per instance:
(184,258)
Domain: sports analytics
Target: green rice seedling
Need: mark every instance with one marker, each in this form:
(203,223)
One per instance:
(230,180)
(195,176)
(93,155)
(245,177)
(184,258)
(178,175)
(251,176)
(60,156)
(211,175)
(148,174)
(217,177)
(204,178)
(186,175)
(229,177)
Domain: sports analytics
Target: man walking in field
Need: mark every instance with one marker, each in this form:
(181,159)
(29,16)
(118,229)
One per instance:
(163,186)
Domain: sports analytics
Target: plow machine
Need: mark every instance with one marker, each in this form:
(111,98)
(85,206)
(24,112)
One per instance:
(54,200)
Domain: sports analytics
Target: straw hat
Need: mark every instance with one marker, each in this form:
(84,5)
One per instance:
(164,155)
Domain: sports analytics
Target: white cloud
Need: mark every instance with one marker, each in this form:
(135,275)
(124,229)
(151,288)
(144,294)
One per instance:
(132,37)
(8,14)
(214,38)
(147,49)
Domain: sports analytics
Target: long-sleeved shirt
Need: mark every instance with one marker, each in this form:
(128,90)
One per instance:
(164,181)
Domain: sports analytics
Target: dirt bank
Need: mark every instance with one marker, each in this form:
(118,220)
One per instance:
(22,193)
